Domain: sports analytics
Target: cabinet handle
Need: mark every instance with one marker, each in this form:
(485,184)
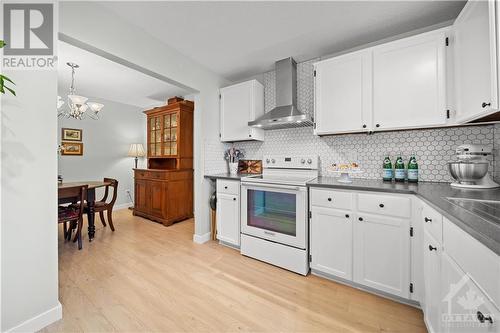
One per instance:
(360,219)
(364,126)
(329,199)
(378,125)
(426,219)
(482,318)
(432,248)
(347,215)
(485,104)
(381,205)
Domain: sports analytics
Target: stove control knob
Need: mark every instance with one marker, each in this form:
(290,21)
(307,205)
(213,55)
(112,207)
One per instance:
(309,161)
(302,161)
(267,160)
(273,161)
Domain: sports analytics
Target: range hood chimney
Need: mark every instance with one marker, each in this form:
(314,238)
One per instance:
(285,114)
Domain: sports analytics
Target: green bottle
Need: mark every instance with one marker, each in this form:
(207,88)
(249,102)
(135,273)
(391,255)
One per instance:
(387,174)
(412,169)
(399,169)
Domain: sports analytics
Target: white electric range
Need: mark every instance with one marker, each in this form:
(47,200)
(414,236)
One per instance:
(274,221)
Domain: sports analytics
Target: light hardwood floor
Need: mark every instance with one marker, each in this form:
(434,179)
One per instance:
(147,277)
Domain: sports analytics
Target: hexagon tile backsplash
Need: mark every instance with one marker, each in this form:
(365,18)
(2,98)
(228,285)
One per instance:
(433,147)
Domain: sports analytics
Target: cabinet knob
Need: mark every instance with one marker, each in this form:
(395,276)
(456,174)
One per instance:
(347,215)
(378,125)
(249,135)
(225,187)
(426,219)
(381,205)
(482,318)
(234,199)
(360,219)
(432,248)
(329,199)
(485,104)
(364,126)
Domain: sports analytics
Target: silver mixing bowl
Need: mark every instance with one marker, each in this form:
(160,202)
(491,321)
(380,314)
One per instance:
(468,172)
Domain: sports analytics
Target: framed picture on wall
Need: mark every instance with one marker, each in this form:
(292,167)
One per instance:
(71,134)
(72,148)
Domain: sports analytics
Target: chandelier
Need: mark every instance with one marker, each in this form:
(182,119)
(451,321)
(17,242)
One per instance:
(78,107)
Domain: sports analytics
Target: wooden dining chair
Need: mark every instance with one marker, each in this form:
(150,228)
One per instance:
(102,206)
(73,215)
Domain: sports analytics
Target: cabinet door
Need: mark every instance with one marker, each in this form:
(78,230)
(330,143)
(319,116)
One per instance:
(343,94)
(158,200)
(228,218)
(331,242)
(409,82)
(475,61)
(382,253)
(141,196)
(432,283)
(240,104)
(461,301)
(154,136)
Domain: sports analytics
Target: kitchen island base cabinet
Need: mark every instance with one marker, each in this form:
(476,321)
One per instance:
(164,196)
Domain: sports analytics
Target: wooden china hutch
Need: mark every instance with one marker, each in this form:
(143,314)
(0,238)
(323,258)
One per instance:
(164,191)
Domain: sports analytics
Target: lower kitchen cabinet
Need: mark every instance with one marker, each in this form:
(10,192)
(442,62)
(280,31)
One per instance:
(331,242)
(432,283)
(228,212)
(382,253)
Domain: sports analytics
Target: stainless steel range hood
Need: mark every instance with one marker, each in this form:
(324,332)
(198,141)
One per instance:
(285,114)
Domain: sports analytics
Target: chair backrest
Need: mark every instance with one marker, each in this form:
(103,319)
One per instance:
(78,192)
(114,185)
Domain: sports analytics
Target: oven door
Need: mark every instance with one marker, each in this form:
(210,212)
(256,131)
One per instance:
(275,212)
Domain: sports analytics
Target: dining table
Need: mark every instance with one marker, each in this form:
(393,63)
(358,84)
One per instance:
(64,197)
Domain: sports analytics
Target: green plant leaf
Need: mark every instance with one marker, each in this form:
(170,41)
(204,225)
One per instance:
(11,91)
(2,44)
(6,79)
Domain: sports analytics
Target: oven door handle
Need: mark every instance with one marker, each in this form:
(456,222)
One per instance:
(284,187)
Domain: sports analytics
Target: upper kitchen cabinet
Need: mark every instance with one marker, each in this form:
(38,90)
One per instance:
(475,46)
(342,92)
(409,88)
(239,104)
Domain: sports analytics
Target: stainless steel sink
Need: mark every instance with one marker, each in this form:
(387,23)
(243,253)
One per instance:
(488,210)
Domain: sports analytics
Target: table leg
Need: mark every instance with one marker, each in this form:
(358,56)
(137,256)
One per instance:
(91,212)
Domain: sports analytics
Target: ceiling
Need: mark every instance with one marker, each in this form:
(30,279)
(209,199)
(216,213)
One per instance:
(100,77)
(240,39)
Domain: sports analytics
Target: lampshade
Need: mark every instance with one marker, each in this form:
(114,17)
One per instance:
(77,100)
(96,107)
(136,150)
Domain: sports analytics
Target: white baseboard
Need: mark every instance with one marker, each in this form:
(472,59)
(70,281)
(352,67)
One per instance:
(201,239)
(38,322)
(123,206)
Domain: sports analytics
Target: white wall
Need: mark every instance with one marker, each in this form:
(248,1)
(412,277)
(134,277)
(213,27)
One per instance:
(110,33)
(105,145)
(29,267)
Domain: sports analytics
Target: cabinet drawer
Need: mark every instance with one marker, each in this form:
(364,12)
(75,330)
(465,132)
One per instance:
(141,174)
(331,199)
(149,174)
(432,222)
(482,264)
(228,186)
(384,205)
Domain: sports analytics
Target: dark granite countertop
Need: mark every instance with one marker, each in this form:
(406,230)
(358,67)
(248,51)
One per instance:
(226,175)
(434,194)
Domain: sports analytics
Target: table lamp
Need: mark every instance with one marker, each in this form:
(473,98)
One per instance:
(136,150)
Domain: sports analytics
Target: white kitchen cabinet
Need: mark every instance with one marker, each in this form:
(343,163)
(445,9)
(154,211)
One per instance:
(432,283)
(342,92)
(239,104)
(475,56)
(382,253)
(331,241)
(228,212)
(409,88)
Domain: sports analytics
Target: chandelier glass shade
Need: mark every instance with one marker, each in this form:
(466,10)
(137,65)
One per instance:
(77,106)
